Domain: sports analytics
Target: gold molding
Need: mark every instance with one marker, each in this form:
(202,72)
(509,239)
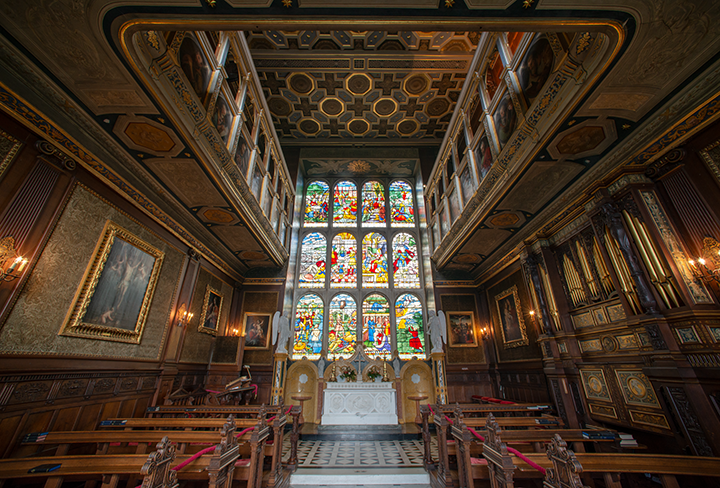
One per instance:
(211,292)
(523,341)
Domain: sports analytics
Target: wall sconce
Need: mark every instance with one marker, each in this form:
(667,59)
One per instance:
(8,254)
(236,332)
(185,317)
(484,333)
(702,272)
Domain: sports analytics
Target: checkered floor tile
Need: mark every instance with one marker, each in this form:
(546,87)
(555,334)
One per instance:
(354,454)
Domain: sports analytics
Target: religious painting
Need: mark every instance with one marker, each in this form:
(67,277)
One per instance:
(402,209)
(409,327)
(345,204)
(373,204)
(343,261)
(505,119)
(535,68)
(461,331)
(195,65)
(257,330)
(376,334)
(114,299)
(242,155)
(406,269)
(308,327)
(467,184)
(476,112)
(212,306)
(342,326)
(222,117)
(316,204)
(512,324)
(374,261)
(312,261)
(249,113)
(492,74)
(257,177)
(483,157)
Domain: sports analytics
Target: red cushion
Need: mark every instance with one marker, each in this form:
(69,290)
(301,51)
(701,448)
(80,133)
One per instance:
(478,461)
(242,462)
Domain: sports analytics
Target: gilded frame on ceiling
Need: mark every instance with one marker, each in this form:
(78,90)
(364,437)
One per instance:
(510,318)
(114,298)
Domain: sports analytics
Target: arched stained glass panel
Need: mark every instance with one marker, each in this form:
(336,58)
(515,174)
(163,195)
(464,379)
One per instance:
(376,326)
(316,204)
(308,327)
(374,261)
(343,272)
(345,204)
(373,204)
(312,261)
(406,272)
(409,325)
(342,326)
(402,211)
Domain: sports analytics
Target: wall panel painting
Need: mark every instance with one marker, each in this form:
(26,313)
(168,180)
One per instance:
(483,157)
(316,204)
(212,308)
(342,326)
(402,209)
(222,117)
(373,204)
(409,326)
(406,271)
(242,155)
(308,327)
(512,324)
(343,260)
(374,261)
(312,261)
(114,300)
(195,65)
(345,204)
(505,119)
(535,68)
(376,334)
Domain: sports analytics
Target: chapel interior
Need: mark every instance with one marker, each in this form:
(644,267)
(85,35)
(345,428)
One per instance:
(416,207)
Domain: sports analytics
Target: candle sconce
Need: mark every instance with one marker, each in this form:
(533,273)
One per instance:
(8,254)
(707,267)
(185,317)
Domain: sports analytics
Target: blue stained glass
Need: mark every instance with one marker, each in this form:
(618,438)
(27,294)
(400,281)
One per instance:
(342,326)
(373,204)
(316,204)
(308,327)
(312,261)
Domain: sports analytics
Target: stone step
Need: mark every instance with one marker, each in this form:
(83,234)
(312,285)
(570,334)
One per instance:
(360,477)
(406,432)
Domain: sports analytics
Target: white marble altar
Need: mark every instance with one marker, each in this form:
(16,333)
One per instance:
(359,403)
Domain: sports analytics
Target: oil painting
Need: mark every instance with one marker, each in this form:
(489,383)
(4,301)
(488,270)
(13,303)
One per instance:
(461,331)
(222,117)
(483,156)
(195,65)
(115,297)
(512,324)
(212,307)
(505,119)
(257,327)
(535,68)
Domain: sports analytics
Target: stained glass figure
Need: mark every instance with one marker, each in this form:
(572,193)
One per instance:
(312,261)
(373,204)
(376,326)
(409,326)
(402,211)
(342,326)
(308,327)
(374,261)
(345,204)
(343,271)
(406,271)
(316,204)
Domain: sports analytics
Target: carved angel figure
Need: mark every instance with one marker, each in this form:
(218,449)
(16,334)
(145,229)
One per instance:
(438,331)
(281,332)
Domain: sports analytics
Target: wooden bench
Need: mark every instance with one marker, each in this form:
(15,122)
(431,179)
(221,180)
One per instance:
(222,466)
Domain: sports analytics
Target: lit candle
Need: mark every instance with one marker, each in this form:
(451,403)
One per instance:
(22,265)
(691,262)
(14,265)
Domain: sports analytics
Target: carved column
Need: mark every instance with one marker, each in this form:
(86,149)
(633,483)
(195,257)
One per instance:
(613,219)
(279,371)
(438,360)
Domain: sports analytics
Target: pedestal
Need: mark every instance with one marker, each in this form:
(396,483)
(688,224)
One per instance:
(359,403)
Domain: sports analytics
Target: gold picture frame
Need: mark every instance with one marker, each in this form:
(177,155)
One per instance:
(257,330)
(461,329)
(510,318)
(211,311)
(114,299)
(9,148)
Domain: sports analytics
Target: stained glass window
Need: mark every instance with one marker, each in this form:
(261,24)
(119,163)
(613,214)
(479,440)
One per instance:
(376,326)
(342,326)
(316,204)
(402,211)
(406,272)
(345,204)
(312,261)
(343,261)
(374,261)
(373,204)
(409,326)
(308,327)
